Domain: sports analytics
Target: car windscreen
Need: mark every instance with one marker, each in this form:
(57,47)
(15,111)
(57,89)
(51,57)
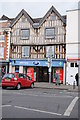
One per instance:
(9,76)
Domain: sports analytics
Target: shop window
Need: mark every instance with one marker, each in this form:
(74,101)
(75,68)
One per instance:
(1,52)
(25,33)
(16,68)
(49,33)
(25,51)
(76,65)
(72,65)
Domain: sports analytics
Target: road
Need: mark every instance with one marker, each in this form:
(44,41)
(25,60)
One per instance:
(39,103)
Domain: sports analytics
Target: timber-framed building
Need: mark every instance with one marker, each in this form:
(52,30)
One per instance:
(31,40)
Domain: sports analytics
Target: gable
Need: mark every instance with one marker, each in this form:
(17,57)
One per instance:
(23,12)
(52,9)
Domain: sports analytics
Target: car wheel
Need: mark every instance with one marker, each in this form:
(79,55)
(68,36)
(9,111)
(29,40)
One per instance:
(3,87)
(18,86)
(32,85)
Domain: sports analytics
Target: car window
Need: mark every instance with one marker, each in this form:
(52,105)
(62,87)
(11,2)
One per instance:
(9,76)
(21,76)
(25,76)
(29,78)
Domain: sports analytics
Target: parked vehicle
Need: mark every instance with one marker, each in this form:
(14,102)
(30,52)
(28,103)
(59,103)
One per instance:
(17,80)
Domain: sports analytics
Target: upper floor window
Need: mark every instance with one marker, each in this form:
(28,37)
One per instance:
(1,52)
(72,65)
(2,37)
(76,65)
(25,33)
(23,19)
(25,51)
(50,51)
(52,17)
(49,33)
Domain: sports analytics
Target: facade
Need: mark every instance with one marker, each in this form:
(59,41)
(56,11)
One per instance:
(4,45)
(32,40)
(72,46)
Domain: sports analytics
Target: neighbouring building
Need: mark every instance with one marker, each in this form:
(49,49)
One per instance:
(72,45)
(31,42)
(4,44)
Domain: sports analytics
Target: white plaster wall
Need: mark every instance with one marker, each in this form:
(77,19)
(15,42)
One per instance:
(71,72)
(72,45)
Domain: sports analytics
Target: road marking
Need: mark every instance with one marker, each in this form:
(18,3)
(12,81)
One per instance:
(39,95)
(70,107)
(36,110)
(5,106)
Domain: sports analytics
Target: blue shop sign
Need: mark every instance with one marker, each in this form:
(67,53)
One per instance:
(44,63)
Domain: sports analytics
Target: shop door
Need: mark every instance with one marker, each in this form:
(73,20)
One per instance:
(43,74)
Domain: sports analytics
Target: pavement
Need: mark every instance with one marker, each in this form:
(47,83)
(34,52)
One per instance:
(45,85)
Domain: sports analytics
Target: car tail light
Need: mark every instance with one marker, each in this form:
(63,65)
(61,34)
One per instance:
(15,78)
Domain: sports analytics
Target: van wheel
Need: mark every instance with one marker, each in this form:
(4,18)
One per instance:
(18,86)
(32,85)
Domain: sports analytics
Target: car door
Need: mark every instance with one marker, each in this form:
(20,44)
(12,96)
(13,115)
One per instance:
(22,80)
(25,81)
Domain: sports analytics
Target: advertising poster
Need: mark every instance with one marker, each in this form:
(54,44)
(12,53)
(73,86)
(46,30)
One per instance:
(60,71)
(30,72)
(34,76)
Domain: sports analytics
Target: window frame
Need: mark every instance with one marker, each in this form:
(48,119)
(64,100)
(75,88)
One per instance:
(46,50)
(73,64)
(50,37)
(76,64)
(2,57)
(25,56)
(25,38)
(2,40)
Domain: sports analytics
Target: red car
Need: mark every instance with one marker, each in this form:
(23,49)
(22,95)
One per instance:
(17,80)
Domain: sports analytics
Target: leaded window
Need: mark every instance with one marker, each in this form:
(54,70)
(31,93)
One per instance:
(25,51)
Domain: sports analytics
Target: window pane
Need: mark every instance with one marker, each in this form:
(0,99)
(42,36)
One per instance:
(2,37)
(49,51)
(25,51)
(76,65)
(49,33)
(23,19)
(52,18)
(25,34)
(1,52)
(72,64)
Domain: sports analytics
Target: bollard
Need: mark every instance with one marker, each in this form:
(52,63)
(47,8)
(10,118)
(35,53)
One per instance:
(74,85)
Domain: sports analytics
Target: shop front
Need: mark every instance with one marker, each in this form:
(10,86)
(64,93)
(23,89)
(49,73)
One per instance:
(38,69)
(3,68)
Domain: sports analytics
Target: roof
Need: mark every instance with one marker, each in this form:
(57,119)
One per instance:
(37,22)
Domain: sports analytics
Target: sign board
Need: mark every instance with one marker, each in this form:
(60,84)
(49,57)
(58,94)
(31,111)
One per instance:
(55,63)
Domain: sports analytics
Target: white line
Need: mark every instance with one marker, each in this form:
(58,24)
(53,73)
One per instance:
(70,107)
(54,95)
(35,110)
(5,106)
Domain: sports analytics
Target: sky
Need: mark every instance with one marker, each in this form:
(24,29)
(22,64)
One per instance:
(35,8)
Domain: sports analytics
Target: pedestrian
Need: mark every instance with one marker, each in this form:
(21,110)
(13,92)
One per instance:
(77,79)
(3,71)
(57,78)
